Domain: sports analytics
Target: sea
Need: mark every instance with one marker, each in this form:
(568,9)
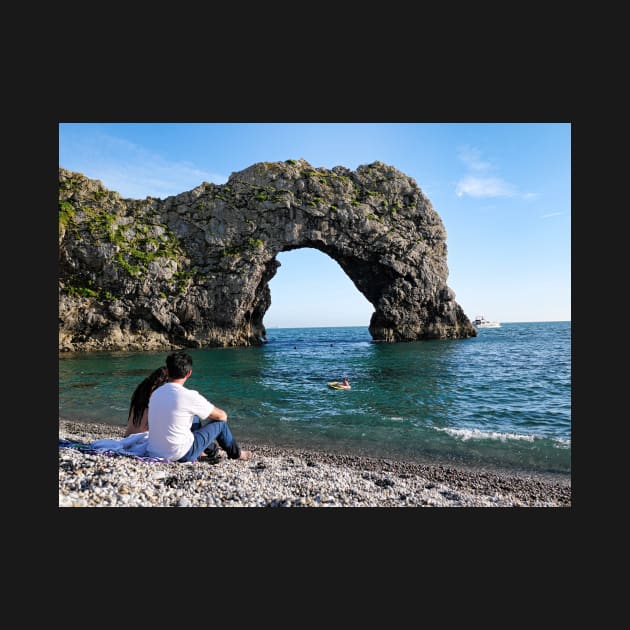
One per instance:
(498,401)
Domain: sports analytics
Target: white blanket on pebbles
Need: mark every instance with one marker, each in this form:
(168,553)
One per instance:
(134,444)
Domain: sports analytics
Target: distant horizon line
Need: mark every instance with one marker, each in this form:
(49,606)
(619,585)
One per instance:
(541,321)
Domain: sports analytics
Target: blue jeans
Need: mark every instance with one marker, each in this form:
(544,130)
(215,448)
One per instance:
(204,437)
(213,449)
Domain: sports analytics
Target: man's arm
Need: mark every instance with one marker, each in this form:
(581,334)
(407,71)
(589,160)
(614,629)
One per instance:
(217,414)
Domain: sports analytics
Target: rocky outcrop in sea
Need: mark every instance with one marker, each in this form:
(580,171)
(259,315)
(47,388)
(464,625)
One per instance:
(193,270)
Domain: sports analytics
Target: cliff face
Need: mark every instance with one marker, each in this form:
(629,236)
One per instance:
(193,270)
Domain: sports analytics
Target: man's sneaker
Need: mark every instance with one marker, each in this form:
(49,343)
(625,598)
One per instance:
(212,450)
(211,455)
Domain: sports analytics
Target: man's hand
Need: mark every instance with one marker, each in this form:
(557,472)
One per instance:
(218,414)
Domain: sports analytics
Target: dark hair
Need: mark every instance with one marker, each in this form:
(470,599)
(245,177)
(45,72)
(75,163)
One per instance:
(178,364)
(142,393)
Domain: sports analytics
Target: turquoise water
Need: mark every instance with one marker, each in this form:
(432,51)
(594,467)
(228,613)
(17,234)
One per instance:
(501,399)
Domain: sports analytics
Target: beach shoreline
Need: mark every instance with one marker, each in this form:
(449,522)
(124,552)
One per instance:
(287,477)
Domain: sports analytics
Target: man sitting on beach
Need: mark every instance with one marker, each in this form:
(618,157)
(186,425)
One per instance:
(172,408)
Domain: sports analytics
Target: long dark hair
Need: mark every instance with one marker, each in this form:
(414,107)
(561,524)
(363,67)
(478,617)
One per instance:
(140,396)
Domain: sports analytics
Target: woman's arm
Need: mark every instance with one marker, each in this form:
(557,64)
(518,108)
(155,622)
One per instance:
(138,428)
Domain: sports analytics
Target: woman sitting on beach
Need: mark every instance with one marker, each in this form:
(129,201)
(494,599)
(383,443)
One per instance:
(345,384)
(138,420)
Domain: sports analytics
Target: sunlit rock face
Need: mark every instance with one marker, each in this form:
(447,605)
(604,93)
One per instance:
(193,270)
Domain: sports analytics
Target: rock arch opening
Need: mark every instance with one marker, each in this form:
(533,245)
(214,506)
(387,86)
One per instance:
(310,289)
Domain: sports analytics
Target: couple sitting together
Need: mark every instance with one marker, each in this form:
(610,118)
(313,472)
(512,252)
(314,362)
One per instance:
(182,425)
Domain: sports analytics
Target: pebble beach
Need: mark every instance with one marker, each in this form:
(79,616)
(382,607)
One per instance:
(283,477)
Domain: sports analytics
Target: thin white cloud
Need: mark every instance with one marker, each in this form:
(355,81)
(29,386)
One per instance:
(551,214)
(478,184)
(472,158)
(130,169)
(484,187)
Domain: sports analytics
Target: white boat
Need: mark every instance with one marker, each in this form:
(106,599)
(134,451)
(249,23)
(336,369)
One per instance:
(481,322)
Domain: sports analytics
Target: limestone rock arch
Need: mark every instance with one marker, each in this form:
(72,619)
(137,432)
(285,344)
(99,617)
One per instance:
(193,270)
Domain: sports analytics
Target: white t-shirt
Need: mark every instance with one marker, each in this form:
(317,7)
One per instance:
(171,410)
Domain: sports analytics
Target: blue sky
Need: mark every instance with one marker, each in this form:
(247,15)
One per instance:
(502,190)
